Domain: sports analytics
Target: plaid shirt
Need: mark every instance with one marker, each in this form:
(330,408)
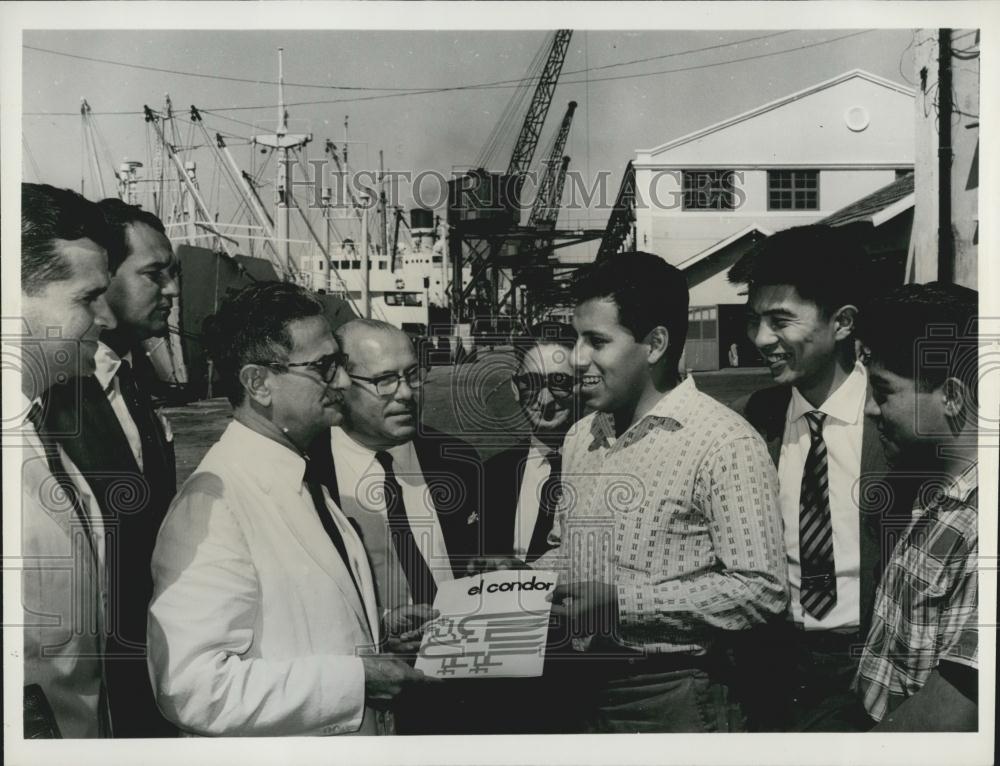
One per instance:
(926,608)
(680,513)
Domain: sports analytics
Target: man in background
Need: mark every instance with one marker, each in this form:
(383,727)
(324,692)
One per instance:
(125,450)
(919,668)
(523,483)
(64,278)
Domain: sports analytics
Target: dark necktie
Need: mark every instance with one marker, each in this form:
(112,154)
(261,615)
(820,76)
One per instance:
(58,471)
(140,407)
(330,526)
(548,501)
(418,574)
(819,582)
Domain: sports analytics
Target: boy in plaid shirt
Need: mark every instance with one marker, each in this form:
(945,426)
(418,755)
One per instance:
(919,667)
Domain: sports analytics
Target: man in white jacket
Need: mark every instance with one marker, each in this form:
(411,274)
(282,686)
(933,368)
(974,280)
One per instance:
(264,619)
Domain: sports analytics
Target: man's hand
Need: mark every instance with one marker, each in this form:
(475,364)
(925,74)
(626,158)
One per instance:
(482,564)
(404,627)
(387,677)
(589,608)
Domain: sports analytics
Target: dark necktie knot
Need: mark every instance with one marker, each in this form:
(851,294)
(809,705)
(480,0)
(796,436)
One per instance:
(815,420)
(385,460)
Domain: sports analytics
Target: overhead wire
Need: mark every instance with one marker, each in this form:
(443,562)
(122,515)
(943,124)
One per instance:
(500,84)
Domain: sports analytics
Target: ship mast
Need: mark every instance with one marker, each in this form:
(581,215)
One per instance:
(284,142)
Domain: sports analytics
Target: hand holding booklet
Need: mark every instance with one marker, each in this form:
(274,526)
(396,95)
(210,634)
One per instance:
(492,625)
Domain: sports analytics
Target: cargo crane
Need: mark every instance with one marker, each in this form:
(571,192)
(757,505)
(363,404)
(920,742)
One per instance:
(484,209)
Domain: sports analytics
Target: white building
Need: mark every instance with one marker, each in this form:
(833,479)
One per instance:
(703,199)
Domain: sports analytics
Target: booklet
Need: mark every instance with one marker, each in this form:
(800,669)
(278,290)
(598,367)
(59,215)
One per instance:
(492,625)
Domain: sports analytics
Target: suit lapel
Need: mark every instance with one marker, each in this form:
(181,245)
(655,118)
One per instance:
(318,545)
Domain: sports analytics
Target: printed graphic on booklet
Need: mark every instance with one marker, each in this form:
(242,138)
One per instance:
(492,625)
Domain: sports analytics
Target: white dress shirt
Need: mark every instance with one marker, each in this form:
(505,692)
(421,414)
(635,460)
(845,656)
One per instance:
(360,480)
(536,471)
(107,363)
(843,430)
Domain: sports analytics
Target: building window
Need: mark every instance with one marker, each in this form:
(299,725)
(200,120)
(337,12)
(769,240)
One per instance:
(793,190)
(345,264)
(382,265)
(355,264)
(709,190)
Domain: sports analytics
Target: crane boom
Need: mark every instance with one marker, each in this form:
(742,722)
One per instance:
(527,140)
(546,207)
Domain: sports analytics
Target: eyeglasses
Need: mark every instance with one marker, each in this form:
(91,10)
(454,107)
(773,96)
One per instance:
(326,366)
(559,384)
(388,384)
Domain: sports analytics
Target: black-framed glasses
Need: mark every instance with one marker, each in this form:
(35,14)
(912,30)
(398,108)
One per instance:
(559,384)
(326,366)
(388,384)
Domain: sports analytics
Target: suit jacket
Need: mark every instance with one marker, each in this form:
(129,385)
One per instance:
(133,503)
(453,472)
(62,597)
(766,410)
(256,624)
(503,475)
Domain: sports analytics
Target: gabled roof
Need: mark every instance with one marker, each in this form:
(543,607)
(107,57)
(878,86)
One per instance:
(878,207)
(722,244)
(854,73)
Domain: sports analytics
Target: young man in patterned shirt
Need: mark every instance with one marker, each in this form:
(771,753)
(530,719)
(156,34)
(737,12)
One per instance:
(919,668)
(668,535)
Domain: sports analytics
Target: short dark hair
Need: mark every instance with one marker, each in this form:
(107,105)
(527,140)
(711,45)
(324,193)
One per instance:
(825,264)
(648,292)
(548,331)
(926,333)
(48,214)
(119,216)
(251,326)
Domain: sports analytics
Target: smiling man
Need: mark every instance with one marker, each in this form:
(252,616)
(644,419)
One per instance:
(919,669)
(112,433)
(523,483)
(668,537)
(805,288)
(64,279)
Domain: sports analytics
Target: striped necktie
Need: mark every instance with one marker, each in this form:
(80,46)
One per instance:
(819,583)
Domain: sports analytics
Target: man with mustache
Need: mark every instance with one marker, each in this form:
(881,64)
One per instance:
(806,286)
(64,279)
(125,450)
(413,491)
(523,483)
(264,618)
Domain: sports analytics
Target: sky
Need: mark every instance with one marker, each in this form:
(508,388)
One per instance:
(623,107)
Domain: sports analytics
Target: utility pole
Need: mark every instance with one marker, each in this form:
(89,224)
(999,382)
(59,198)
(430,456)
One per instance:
(946,237)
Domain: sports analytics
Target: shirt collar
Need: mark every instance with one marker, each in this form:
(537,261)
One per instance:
(845,405)
(349,452)
(107,362)
(269,462)
(670,410)
(539,450)
(963,485)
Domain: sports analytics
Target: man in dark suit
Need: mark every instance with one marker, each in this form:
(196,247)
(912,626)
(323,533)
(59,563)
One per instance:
(125,451)
(523,483)
(413,493)
(805,290)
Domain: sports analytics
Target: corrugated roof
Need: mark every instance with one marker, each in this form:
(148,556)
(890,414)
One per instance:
(868,208)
